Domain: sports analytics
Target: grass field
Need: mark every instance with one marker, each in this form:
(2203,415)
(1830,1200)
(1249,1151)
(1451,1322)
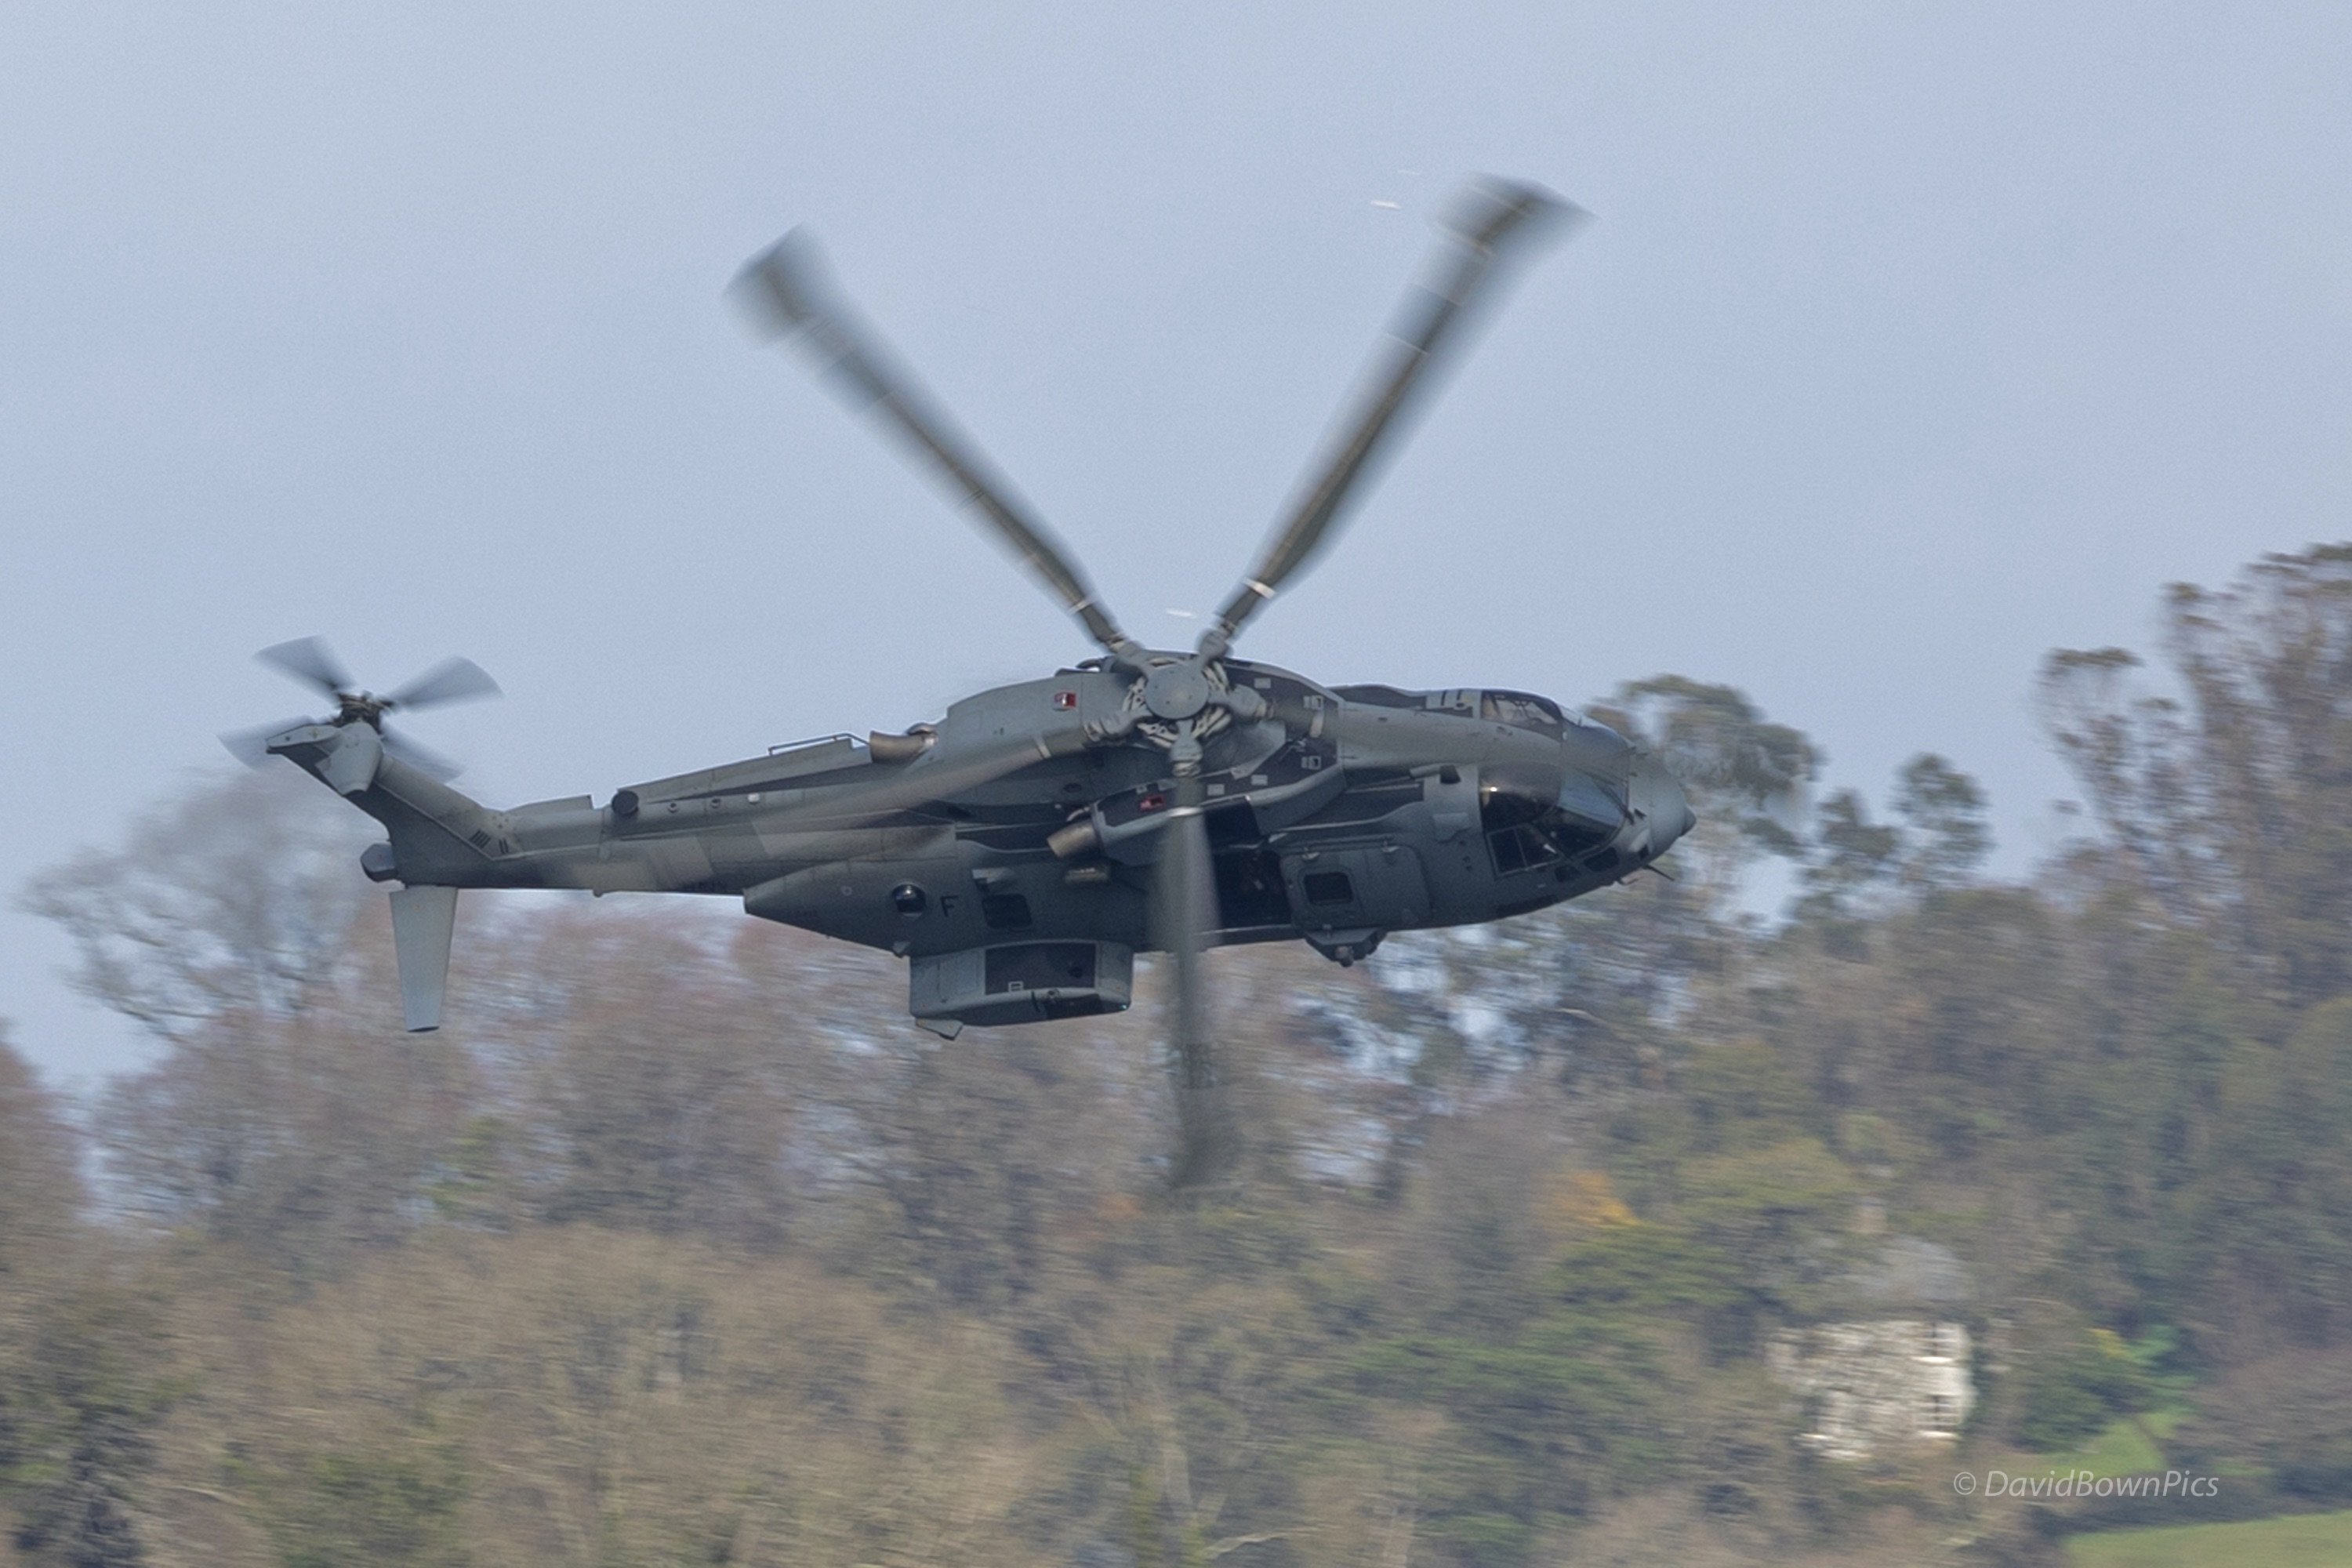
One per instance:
(2295,1540)
(2128,1447)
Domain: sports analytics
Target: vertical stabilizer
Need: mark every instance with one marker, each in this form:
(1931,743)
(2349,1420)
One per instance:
(423,920)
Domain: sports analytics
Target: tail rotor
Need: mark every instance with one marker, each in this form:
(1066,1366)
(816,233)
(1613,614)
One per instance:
(310,661)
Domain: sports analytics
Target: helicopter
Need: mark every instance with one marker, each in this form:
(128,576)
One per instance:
(1020,851)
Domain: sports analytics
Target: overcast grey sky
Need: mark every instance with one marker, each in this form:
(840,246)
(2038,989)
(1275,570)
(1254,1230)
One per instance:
(1911,342)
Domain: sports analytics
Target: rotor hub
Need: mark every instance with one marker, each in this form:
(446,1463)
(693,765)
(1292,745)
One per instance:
(1176,691)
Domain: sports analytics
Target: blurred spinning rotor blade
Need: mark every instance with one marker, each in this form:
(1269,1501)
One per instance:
(249,746)
(787,290)
(451,680)
(1488,215)
(1184,901)
(424,759)
(310,660)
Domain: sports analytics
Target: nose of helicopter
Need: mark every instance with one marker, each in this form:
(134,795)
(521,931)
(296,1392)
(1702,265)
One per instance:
(1661,812)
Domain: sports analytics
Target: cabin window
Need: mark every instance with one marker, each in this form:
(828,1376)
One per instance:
(1004,911)
(1328,888)
(1250,890)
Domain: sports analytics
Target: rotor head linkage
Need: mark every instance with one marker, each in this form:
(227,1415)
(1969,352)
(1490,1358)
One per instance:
(1176,691)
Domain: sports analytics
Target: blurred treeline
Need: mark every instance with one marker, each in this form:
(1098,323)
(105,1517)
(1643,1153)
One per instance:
(680,1244)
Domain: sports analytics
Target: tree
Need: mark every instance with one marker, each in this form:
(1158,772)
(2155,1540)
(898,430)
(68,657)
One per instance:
(1945,836)
(2229,798)
(648,1087)
(298,1138)
(2281,1229)
(238,899)
(287,1112)
(79,1386)
(1851,856)
(40,1189)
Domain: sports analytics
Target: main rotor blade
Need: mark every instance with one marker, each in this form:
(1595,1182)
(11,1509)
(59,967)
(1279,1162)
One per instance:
(451,680)
(1184,902)
(1488,215)
(788,289)
(310,660)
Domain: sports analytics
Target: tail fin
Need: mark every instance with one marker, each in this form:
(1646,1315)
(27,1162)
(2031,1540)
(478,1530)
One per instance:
(423,920)
(440,841)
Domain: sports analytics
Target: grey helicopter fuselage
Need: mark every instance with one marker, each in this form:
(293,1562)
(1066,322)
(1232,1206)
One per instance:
(1025,895)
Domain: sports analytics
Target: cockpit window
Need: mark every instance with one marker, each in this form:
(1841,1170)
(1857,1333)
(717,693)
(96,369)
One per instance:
(1521,812)
(1521,710)
(1510,794)
(1517,847)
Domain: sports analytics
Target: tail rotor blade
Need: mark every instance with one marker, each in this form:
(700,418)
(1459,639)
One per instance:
(789,292)
(1489,215)
(1184,896)
(424,759)
(451,680)
(310,660)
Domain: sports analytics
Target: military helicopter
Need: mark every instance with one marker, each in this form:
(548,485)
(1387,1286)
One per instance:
(1023,849)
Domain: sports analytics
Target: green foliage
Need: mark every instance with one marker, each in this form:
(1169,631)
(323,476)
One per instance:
(2231,805)
(1851,854)
(2123,1448)
(1743,1093)
(473,1185)
(1581,1403)
(1541,1429)
(78,1411)
(396,1509)
(84,1375)
(1633,1273)
(1783,1211)
(1944,835)
(2075,1392)
(2277,1216)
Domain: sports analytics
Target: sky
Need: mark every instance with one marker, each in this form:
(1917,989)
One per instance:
(1908,344)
